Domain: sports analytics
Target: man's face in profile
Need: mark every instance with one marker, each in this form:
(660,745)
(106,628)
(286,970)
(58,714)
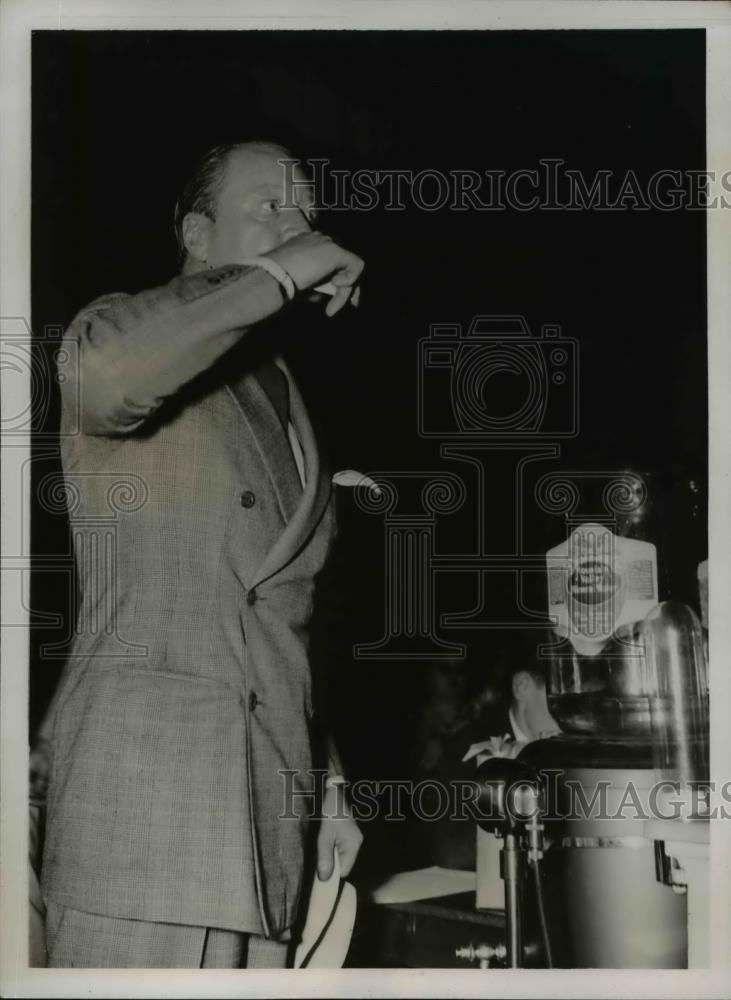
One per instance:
(531,702)
(257,208)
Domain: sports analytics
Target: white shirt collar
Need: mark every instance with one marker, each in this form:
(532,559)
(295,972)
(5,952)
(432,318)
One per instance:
(520,736)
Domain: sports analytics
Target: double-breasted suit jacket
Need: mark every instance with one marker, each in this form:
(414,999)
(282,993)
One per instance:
(187,692)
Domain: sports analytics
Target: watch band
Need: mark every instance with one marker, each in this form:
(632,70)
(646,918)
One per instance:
(276,271)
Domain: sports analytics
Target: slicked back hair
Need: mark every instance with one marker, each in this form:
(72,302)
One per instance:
(204,185)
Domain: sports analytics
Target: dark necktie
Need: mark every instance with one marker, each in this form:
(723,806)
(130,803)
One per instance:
(274,383)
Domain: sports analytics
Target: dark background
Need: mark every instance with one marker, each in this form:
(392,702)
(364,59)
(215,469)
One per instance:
(118,118)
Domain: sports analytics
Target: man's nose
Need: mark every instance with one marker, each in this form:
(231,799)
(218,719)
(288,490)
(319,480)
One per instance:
(294,223)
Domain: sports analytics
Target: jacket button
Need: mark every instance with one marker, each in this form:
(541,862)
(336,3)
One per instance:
(253,701)
(247,499)
(251,597)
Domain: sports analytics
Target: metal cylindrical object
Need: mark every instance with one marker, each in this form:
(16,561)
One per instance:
(676,665)
(511,869)
(619,915)
(606,695)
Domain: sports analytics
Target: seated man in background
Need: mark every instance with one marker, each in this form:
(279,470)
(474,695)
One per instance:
(518,709)
(511,702)
(523,714)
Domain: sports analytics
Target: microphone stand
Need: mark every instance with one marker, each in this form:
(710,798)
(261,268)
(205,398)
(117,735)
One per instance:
(500,780)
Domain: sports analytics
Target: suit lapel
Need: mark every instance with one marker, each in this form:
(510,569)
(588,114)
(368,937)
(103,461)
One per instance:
(266,430)
(314,497)
(301,509)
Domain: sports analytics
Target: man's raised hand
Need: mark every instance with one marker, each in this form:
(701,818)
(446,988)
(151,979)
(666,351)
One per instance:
(312,258)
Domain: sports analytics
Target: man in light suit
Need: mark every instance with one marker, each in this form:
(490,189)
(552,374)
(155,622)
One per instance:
(188,688)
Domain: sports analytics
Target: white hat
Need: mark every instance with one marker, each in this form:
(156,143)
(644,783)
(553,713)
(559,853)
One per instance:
(329,924)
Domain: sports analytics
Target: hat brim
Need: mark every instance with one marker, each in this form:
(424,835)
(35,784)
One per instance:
(329,924)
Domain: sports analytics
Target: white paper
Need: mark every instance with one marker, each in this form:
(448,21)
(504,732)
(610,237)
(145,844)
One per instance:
(424,883)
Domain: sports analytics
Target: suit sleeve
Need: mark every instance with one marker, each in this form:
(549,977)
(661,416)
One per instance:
(135,351)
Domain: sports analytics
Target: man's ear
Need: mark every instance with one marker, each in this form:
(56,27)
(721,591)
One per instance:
(521,685)
(196,235)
